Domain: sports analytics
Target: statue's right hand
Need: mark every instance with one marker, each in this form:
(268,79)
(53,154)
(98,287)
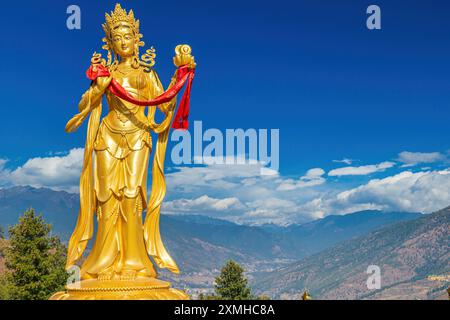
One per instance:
(102,83)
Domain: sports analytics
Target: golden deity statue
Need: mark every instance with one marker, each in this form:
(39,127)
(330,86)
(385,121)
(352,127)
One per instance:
(113,182)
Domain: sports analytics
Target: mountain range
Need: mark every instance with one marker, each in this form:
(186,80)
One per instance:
(239,242)
(277,258)
(407,253)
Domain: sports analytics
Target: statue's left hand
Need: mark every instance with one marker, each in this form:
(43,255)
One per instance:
(183,56)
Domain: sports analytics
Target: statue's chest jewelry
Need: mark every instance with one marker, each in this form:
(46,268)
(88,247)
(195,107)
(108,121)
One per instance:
(135,84)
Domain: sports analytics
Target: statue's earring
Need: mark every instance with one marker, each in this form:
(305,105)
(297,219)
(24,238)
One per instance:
(135,64)
(115,63)
(109,56)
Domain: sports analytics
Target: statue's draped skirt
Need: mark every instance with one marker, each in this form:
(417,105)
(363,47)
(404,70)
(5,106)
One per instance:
(120,180)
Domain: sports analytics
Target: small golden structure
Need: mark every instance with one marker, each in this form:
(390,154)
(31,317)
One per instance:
(306,295)
(441,278)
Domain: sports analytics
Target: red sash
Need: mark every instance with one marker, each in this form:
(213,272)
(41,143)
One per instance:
(184,73)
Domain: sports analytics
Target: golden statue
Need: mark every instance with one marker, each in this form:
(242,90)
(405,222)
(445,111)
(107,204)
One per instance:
(113,182)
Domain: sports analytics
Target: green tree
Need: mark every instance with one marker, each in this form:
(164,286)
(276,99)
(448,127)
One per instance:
(34,260)
(3,286)
(2,233)
(231,284)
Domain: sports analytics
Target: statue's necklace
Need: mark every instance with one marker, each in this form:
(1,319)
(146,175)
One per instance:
(126,70)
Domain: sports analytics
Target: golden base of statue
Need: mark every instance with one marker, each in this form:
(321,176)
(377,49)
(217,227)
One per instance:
(138,289)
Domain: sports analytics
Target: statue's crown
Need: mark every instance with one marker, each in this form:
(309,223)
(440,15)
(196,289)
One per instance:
(118,16)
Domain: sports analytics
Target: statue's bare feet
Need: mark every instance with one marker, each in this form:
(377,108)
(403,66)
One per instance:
(105,276)
(128,275)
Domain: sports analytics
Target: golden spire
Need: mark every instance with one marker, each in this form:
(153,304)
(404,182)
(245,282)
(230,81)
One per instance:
(306,295)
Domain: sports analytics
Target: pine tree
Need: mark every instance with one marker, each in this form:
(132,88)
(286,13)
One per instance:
(34,260)
(231,284)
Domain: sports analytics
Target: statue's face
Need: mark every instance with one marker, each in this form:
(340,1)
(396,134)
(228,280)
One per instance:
(123,40)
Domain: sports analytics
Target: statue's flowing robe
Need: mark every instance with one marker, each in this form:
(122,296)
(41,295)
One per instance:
(113,184)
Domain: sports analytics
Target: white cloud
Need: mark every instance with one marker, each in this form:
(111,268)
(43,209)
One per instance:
(345,160)
(57,172)
(314,173)
(424,191)
(241,194)
(313,177)
(260,199)
(202,204)
(410,159)
(361,170)
(218,177)
(268,210)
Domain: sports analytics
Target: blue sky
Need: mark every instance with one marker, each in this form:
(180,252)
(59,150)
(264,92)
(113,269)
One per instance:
(310,68)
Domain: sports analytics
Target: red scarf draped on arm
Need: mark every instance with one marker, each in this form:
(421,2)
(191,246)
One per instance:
(184,73)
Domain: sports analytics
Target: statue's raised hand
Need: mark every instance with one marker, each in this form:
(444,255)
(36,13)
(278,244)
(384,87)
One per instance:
(183,56)
(102,83)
